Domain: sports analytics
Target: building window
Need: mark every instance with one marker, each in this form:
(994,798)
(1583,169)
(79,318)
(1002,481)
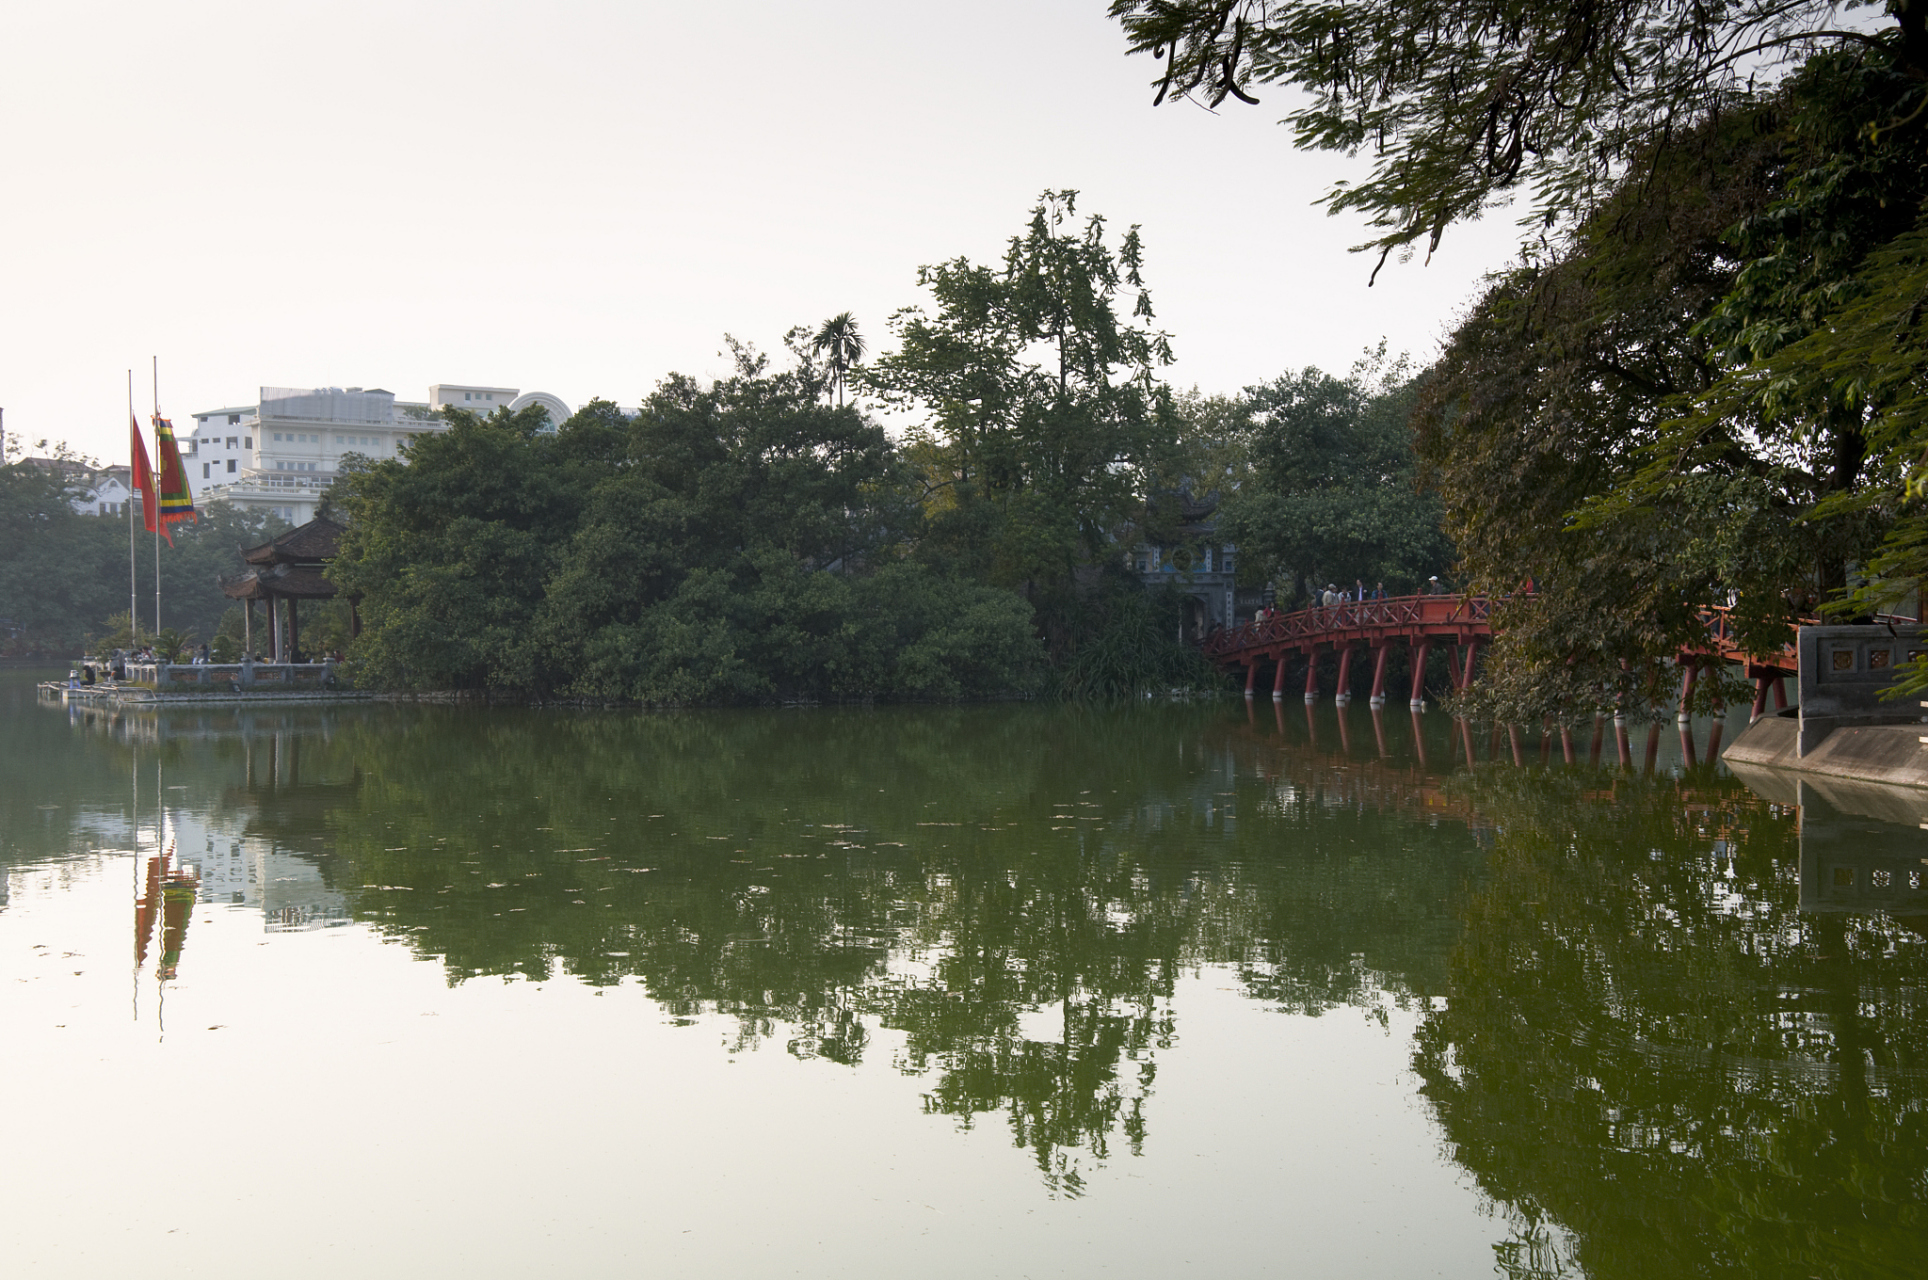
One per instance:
(233,418)
(206,469)
(230,466)
(247,442)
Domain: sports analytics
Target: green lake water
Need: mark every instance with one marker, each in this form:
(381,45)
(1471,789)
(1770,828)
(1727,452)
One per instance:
(1202,989)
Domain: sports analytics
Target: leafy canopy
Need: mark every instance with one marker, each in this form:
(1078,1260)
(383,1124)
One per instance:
(1463,104)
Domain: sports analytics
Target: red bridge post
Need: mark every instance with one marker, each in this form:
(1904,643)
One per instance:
(1278,679)
(1344,693)
(1420,650)
(1312,673)
(1379,653)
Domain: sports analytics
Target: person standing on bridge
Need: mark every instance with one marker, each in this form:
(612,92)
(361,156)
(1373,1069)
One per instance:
(1378,591)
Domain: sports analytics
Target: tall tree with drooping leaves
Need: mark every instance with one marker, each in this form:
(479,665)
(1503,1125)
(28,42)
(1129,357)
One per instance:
(1043,412)
(1463,106)
(1676,406)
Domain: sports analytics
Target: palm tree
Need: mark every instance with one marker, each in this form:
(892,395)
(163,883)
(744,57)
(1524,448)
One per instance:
(841,347)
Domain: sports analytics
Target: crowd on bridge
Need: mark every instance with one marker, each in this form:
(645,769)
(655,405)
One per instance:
(1334,596)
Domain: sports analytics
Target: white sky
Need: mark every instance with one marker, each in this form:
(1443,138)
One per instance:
(582,195)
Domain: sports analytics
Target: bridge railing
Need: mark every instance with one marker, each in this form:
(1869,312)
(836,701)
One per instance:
(1396,613)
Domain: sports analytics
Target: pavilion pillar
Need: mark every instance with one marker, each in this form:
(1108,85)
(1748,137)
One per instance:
(294,628)
(274,629)
(247,628)
(1421,648)
(1344,693)
(1379,674)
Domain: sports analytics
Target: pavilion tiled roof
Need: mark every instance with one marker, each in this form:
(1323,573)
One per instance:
(280,582)
(314,543)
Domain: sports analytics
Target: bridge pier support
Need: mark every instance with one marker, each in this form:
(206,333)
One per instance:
(1620,740)
(1690,669)
(1421,649)
(1251,675)
(1343,694)
(1379,674)
(1278,679)
(1472,651)
(1312,674)
(1599,733)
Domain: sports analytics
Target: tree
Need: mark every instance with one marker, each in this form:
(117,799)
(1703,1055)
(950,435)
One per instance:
(1635,422)
(1044,411)
(64,576)
(1330,493)
(1461,105)
(841,347)
(739,541)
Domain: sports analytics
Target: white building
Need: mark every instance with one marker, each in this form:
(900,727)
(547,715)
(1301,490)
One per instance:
(280,453)
(101,493)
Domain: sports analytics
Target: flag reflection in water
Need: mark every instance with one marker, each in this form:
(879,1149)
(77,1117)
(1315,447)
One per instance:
(169,891)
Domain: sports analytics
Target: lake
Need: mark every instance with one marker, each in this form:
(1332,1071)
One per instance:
(1199,989)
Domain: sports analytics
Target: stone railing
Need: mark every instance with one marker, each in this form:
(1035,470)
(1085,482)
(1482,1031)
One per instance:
(181,677)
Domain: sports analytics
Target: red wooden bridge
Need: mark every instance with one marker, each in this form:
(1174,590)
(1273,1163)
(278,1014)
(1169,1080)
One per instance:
(1373,627)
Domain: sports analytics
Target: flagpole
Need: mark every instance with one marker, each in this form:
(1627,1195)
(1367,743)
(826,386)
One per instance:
(133,587)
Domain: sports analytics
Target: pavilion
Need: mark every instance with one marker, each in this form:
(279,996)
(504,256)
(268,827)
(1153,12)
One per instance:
(290,568)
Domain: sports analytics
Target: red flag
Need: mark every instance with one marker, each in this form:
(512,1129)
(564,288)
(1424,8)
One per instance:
(144,478)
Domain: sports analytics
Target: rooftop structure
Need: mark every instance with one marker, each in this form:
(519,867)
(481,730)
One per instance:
(281,453)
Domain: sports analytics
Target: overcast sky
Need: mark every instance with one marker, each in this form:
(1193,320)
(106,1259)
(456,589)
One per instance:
(579,196)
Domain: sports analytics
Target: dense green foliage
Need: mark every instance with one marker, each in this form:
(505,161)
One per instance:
(1328,493)
(759,539)
(64,576)
(1704,380)
(1043,415)
(736,542)
(1643,422)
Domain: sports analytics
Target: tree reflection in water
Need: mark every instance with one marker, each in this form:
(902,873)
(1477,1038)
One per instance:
(1649,1045)
(1015,891)
(1643,1051)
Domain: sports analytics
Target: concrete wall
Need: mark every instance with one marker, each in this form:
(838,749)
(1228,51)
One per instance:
(1844,671)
